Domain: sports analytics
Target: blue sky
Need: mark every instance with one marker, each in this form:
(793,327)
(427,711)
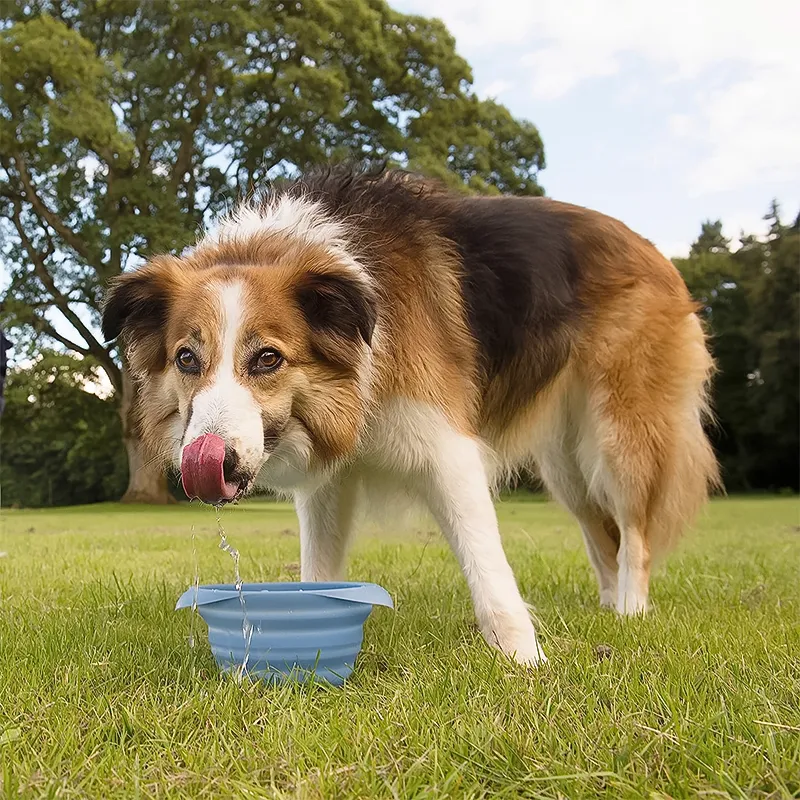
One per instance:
(662,115)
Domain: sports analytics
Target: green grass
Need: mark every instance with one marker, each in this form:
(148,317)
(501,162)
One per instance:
(101,696)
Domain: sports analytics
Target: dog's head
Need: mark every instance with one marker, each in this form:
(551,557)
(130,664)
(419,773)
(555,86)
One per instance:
(263,343)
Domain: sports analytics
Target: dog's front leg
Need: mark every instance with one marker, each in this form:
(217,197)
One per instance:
(458,495)
(326,521)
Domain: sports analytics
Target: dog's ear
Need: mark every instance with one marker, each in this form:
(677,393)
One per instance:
(135,310)
(340,308)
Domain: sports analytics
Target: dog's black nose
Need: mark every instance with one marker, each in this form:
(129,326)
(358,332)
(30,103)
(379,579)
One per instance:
(230,465)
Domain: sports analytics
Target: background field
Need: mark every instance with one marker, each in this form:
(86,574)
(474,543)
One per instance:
(100,694)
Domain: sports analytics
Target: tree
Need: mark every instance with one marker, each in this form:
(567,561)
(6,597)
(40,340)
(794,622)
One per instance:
(711,239)
(124,125)
(774,328)
(750,299)
(60,442)
(716,280)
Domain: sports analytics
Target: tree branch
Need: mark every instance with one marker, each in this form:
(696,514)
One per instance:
(61,302)
(183,162)
(52,219)
(142,131)
(43,326)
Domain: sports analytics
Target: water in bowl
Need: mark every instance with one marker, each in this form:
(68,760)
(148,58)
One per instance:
(226,546)
(357,599)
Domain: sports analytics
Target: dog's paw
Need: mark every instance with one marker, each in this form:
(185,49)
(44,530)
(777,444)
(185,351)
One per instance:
(631,604)
(531,658)
(518,642)
(608,599)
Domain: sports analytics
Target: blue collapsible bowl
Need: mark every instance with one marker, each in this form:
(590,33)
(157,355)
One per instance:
(300,631)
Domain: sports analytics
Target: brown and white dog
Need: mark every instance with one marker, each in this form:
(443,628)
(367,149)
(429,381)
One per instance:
(358,330)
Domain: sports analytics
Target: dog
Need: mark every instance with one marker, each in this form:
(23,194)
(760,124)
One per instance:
(356,330)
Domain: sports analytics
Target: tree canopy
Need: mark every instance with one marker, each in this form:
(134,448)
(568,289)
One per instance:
(123,126)
(61,444)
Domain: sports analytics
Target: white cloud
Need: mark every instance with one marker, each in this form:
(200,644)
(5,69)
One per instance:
(741,57)
(751,131)
(673,249)
(478,24)
(557,69)
(493,89)
(745,222)
(681,125)
(582,39)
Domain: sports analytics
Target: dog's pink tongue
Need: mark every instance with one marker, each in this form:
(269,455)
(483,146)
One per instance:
(202,470)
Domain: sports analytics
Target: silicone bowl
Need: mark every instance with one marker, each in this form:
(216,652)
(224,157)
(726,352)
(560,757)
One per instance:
(297,631)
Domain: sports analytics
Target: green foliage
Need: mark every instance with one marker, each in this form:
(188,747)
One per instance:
(123,125)
(751,302)
(710,240)
(60,444)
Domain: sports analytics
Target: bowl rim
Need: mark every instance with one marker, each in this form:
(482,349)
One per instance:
(249,587)
(352,591)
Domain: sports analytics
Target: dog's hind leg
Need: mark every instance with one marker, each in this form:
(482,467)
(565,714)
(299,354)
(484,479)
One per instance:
(559,470)
(653,463)
(622,474)
(601,537)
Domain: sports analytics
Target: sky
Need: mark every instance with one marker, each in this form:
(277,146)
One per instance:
(660,114)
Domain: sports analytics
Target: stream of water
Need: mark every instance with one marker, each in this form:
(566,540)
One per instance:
(247,628)
(196,586)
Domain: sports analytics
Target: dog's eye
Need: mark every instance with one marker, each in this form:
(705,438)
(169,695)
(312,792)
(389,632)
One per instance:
(186,361)
(266,361)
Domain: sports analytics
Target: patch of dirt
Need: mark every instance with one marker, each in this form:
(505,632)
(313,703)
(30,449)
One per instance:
(603,651)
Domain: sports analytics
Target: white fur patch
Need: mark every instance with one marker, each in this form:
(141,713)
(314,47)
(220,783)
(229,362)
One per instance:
(415,444)
(226,407)
(297,217)
(286,469)
(411,448)
(633,576)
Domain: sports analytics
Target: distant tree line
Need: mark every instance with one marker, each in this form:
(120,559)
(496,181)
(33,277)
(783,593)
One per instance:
(750,300)
(61,444)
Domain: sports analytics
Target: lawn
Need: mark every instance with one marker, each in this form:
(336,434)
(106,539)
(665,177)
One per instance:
(101,695)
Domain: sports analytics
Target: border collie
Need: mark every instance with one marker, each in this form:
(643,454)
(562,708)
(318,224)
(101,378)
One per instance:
(354,332)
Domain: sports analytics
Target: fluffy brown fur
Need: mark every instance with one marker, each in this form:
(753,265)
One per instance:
(551,335)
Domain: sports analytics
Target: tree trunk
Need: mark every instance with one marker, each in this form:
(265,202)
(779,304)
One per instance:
(147,483)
